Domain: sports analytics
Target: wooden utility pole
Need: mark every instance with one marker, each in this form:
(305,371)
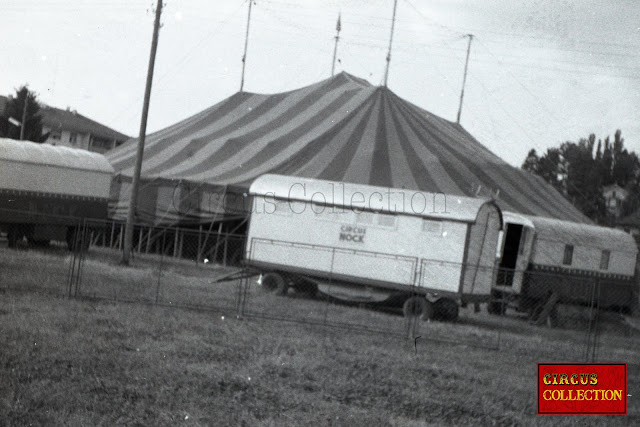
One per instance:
(393,23)
(464,79)
(335,47)
(133,198)
(24,115)
(246,44)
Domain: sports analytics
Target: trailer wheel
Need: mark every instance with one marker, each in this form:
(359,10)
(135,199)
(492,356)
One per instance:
(273,282)
(446,309)
(305,287)
(496,307)
(74,237)
(12,236)
(417,306)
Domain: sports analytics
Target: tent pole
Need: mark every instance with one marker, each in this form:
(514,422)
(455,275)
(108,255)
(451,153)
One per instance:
(133,198)
(335,47)
(393,23)
(246,43)
(464,78)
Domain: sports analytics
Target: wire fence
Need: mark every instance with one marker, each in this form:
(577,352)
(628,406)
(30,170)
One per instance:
(560,315)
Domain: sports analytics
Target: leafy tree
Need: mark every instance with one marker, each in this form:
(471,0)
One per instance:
(531,162)
(581,170)
(551,167)
(15,109)
(583,181)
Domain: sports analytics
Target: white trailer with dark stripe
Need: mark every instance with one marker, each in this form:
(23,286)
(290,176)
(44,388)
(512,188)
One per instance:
(429,251)
(544,259)
(45,190)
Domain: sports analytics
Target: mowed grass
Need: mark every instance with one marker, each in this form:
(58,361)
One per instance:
(72,362)
(97,362)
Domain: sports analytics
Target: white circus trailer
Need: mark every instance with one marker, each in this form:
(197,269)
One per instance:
(429,252)
(46,190)
(541,257)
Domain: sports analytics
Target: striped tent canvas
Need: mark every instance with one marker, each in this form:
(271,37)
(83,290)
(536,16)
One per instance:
(340,129)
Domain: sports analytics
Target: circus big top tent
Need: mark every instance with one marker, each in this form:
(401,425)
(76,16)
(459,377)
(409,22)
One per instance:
(340,129)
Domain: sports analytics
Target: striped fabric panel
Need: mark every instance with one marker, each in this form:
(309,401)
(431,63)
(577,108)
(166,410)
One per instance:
(340,129)
(277,145)
(164,139)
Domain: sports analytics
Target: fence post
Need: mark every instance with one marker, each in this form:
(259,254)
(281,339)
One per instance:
(175,242)
(224,252)
(140,239)
(113,231)
(120,237)
(199,253)
(146,251)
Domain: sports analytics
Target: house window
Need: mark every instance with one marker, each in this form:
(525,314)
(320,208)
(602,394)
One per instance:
(568,255)
(56,135)
(73,138)
(604,260)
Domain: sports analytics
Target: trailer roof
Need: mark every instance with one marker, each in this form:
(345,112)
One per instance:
(369,198)
(516,218)
(577,234)
(49,155)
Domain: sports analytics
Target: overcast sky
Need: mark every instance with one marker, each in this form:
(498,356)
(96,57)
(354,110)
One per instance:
(541,71)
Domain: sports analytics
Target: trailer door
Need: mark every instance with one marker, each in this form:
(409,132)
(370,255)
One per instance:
(479,269)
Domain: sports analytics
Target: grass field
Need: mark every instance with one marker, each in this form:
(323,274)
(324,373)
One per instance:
(86,361)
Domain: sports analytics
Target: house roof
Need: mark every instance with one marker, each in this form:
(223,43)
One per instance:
(632,220)
(340,129)
(58,119)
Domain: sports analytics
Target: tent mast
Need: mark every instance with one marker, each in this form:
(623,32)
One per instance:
(246,43)
(335,47)
(464,79)
(135,181)
(393,22)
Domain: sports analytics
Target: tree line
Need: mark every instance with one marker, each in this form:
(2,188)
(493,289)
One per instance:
(15,113)
(580,170)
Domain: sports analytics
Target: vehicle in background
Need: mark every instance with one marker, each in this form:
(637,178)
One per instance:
(547,261)
(429,253)
(46,191)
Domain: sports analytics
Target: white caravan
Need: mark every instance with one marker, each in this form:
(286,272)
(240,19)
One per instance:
(544,256)
(367,243)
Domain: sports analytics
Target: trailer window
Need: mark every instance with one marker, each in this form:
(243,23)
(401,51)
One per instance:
(387,220)
(364,218)
(568,255)
(282,207)
(432,227)
(604,260)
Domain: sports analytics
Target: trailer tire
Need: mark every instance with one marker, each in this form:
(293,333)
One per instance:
(305,287)
(273,282)
(496,307)
(446,309)
(12,236)
(73,239)
(417,306)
